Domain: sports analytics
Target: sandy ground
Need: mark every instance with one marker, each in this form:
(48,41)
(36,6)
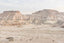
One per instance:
(32,34)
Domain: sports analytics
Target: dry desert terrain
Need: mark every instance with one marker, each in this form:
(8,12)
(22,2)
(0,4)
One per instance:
(31,34)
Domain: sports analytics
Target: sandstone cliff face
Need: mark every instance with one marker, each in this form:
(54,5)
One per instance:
(11,17)
(47,16)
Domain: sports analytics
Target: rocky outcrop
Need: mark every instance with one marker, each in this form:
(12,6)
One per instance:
(47,16)
(11,18)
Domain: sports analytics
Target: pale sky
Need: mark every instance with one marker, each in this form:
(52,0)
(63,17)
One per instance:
(29,6)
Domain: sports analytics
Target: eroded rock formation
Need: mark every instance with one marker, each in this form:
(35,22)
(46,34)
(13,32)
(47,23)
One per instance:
(47,16)
(11,18)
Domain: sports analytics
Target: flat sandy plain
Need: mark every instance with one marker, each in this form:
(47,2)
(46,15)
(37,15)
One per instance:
(32,34)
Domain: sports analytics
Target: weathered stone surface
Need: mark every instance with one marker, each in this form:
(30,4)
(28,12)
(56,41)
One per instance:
(11,17)
(10,38)
(47,16)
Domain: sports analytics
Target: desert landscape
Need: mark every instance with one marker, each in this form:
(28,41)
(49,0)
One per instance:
(31,34)
(31,21)
(44,26)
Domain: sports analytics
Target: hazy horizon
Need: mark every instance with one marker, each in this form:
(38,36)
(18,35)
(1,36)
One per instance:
(29,6)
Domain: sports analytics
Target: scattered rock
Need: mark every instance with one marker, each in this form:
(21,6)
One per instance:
(10,38)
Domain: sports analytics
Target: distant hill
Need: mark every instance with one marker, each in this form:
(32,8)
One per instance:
(47,16)
(10,17)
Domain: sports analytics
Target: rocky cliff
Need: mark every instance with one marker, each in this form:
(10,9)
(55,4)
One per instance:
(11,18)
(47,16)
